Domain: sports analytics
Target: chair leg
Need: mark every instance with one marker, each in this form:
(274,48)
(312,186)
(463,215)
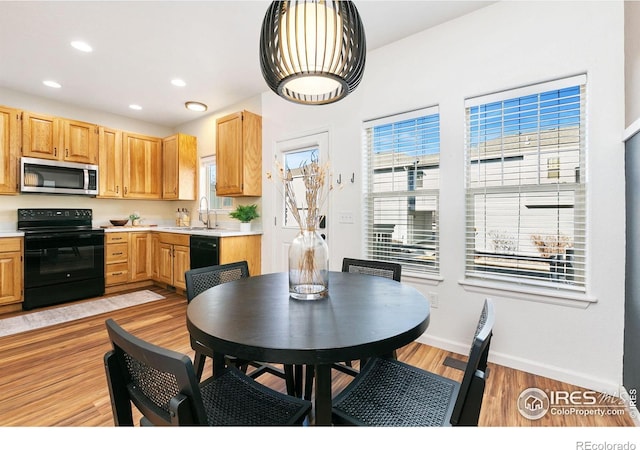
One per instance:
(308,382)
(199,364)
(289,378)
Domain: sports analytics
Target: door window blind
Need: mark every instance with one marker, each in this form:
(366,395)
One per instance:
(525,185)
(402,157)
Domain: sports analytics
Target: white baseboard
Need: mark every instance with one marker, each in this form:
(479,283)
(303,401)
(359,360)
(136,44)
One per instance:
(555,373)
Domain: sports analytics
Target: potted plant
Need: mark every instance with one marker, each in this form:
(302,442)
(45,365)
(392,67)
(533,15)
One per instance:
(245,214)
(135,219)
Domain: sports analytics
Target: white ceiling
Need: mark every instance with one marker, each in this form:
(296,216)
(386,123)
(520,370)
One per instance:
(139,46)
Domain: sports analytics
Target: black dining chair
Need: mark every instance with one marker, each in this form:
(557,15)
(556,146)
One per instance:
(388,392)
(163,387)
(203,278)
(384,269)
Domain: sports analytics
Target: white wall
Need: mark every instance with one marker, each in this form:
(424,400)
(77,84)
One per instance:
(505,45)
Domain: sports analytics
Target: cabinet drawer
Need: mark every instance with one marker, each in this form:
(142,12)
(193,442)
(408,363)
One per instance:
(175,239)
(117,273)
(114,238)
(117,253)
(10,244)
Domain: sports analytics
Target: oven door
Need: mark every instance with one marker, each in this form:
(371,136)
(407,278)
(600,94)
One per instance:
(58,257)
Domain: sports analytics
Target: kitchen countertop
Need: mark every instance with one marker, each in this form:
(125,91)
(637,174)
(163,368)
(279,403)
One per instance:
(202,231)
(220,232)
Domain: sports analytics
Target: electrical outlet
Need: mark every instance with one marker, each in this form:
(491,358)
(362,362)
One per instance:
(433,299)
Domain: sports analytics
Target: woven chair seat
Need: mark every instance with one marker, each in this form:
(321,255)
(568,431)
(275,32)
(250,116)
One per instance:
(401,395)
(233,399)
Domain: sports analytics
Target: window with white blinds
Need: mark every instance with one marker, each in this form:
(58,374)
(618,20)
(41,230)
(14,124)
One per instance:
(525,185)
(402,157)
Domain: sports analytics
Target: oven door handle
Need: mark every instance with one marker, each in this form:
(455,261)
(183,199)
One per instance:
(58,235)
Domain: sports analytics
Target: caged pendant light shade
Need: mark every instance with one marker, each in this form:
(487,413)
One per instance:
(312,52)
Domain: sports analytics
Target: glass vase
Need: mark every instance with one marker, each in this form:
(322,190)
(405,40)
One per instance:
(308,266)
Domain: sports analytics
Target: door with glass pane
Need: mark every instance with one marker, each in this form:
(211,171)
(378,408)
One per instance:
(292,155)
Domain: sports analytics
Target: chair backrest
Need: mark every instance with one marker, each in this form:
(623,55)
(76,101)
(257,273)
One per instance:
(466,411)
(203,278)
(160,383)
(370,267)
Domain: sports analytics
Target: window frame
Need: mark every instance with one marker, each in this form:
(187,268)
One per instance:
(417,259)
(215,203)
(554,290)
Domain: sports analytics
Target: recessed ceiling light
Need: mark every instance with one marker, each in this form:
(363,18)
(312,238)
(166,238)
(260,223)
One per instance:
(136,107)
(178,82)
(51,83)
(196,106)
(82,46)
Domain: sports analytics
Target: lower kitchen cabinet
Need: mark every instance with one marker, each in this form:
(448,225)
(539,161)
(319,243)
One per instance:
(11,250)
(242,248)
(116,257)
(172,258)
(127,258)
(139,256)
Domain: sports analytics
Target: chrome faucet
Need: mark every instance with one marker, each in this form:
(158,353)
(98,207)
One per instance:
(207,220)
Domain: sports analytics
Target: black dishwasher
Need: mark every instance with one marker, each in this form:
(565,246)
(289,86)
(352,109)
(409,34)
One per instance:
(204,251)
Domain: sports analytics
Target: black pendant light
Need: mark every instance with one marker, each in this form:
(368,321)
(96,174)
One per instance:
(312,52)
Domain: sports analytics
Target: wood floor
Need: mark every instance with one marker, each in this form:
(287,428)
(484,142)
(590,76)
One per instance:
(55,377)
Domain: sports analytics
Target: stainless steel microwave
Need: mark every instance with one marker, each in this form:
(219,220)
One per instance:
(58,177)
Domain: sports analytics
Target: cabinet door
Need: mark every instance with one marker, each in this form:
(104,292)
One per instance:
(10,271)
(229,155)
(181,264)
(140,256)
(179,167)
(239,155)
(170,167)
(110,162)
(155,255)
(40,136)
(165,263)
(142,164)
(80,142)
(9,150)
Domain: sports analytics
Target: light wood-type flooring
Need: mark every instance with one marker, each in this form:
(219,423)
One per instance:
(55,376)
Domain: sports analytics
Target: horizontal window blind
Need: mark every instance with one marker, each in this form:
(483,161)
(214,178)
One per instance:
(525,186)
(402,158)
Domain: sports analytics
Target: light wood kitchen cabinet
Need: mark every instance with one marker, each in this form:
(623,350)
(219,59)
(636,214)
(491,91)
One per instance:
(142,166)
(179,167)
(139,256)
(239,155)
(173,258)
(127,257)
(51,137)
(116,256)
(110,162)
(9,149)
(11,250)
(242,248)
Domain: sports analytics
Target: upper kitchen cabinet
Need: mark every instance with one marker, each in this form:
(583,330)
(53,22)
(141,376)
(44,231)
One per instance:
(239,155)
(52,137)
(179,166)
(9,149)
(142,166)
(110,162)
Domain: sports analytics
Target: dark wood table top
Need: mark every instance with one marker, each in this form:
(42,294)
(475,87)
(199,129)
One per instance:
(254,318)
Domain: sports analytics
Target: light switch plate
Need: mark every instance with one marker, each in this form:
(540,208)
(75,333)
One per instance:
(345,217)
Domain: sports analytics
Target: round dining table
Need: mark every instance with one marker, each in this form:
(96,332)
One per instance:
(255,319)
